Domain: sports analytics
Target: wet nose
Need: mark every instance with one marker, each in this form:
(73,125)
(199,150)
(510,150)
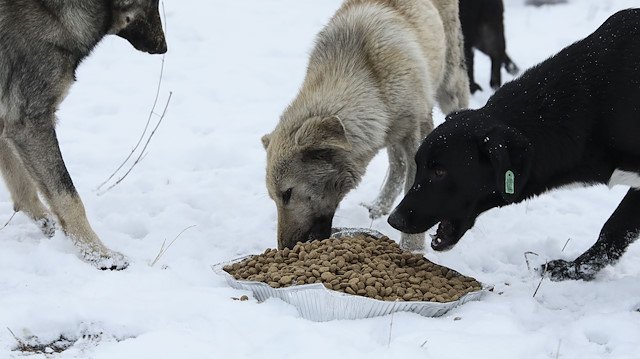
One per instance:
(397,221)
(161,48)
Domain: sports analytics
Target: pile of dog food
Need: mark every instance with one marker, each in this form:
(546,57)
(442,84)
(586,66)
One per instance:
(360,265)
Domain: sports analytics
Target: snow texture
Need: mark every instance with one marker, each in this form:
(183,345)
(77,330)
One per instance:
(233,67)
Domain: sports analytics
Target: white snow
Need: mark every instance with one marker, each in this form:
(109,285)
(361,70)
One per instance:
(233,66)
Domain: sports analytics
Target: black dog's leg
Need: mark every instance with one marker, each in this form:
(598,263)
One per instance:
(511,68)
(621,229)
(496,76)
(468,54)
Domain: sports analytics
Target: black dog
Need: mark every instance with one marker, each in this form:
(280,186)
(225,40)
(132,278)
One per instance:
(574,118)
(483,28)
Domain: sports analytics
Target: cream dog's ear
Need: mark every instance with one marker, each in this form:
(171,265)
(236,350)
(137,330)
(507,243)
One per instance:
(266,139)
(323,133)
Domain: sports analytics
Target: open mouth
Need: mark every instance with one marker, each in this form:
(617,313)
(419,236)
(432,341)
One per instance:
(445,237)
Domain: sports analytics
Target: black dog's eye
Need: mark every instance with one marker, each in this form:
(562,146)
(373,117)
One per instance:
(286,196)
(438,172)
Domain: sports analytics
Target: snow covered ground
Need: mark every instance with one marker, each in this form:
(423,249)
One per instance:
(233,66)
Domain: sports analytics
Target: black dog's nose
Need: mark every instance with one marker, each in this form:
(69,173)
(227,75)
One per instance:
(397,221)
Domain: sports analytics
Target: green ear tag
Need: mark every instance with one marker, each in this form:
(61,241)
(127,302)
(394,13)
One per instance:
(510,182)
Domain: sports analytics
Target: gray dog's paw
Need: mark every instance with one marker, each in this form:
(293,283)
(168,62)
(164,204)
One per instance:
(376,209)
(106,260)
(47,225)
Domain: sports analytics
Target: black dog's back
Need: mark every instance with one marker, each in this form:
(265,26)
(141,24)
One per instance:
(595,80)
(595,57)
(621,82)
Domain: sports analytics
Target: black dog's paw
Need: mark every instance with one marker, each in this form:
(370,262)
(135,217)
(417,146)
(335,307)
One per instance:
(512,69)
(475,87)
(559,270)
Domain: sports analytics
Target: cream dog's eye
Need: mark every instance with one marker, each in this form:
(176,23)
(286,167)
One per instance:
(286,196)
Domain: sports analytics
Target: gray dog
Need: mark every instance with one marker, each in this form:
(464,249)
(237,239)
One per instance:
(41,44)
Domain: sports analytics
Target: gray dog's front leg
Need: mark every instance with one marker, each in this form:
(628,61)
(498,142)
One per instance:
(36,144)
(23,191)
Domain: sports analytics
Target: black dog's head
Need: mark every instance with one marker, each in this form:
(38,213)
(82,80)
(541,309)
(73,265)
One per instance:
(466,166)
(139,22)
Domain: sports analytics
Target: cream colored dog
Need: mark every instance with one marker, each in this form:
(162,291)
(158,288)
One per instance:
(376,72)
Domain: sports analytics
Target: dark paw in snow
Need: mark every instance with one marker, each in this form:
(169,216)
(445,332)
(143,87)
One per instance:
(559,270)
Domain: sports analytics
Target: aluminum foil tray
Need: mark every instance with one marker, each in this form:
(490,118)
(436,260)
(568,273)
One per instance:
(317,303)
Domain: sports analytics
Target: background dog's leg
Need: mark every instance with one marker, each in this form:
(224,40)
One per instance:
(411,242)
(511,68)
(36,144)
(23,191)
(392,186)
(496,75)
(621,229)
(473,86)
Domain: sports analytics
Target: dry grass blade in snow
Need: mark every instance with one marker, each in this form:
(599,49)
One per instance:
(390,331)
(144,131)
(526,259)
(165,248)
(143,151)
(541,279)
(558,351)
(8,221)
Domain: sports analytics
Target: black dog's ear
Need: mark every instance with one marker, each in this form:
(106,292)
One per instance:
(511,156)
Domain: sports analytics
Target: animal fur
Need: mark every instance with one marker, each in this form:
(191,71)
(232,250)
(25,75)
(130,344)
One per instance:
(574,118)
(41,44)
(376,72)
